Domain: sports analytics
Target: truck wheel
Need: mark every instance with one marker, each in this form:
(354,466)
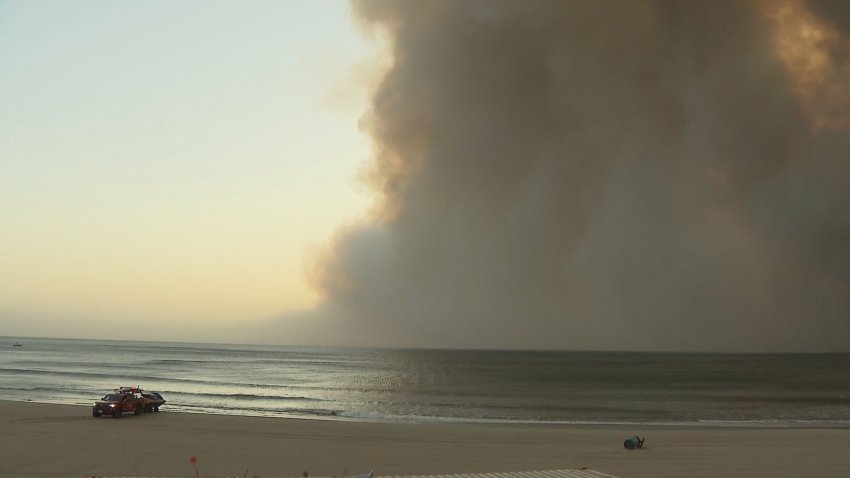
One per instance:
(95,413)
(116,413)
(138,410)
(156,409)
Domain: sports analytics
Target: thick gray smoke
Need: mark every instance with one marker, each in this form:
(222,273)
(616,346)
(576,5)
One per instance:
(600,175)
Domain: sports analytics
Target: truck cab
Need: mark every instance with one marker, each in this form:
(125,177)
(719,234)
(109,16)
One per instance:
(117,403)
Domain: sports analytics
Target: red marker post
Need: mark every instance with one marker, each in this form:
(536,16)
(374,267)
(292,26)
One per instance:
(194,462)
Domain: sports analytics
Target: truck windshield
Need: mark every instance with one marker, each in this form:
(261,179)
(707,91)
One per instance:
(112,397)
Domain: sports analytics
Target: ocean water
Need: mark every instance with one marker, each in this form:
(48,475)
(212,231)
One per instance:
(439,385)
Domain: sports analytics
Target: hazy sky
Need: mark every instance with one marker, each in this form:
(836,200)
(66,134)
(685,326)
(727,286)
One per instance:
(638,175)
(172,161)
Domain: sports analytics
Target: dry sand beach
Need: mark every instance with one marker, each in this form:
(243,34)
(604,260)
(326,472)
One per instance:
(65,441)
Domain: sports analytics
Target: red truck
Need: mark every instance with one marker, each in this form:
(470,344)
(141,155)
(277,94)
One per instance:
(127,399)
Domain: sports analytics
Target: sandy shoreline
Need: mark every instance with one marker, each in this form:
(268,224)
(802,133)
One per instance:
(65,441)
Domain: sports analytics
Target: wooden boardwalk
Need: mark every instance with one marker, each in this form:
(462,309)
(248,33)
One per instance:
(582,473)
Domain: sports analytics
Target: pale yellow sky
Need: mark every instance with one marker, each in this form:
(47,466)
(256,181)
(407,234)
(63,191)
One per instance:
(173,161)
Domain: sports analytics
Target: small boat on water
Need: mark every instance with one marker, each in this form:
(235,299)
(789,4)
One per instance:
(17,344)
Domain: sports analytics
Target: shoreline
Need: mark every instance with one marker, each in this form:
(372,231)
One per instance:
(723,424)
(53,440)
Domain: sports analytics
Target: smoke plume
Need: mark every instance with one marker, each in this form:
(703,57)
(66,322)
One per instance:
(602,175)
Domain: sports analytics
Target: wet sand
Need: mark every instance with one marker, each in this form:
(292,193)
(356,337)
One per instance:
(44,440)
